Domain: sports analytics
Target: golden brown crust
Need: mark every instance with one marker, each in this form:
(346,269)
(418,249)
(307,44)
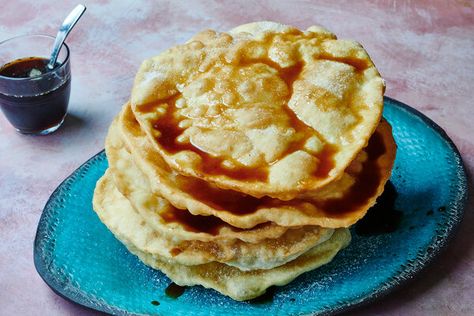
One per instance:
(243,157)
(307,209)
(264,97)
(147,231)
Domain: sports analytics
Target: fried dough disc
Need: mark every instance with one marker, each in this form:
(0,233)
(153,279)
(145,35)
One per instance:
(161,215)
(339,204)
(267,110)
(242,285)
(117,213)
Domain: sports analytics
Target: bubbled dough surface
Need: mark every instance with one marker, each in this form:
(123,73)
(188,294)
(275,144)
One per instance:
(232,103)
(117,213)
(132,184)
(172,186)
(123,195)
(245,285)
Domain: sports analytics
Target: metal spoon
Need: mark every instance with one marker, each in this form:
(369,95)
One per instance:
(63,32)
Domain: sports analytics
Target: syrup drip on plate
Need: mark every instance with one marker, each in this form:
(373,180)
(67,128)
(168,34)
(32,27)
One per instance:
(174,290)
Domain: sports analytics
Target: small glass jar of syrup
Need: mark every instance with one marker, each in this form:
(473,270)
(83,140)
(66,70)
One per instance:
(34,98)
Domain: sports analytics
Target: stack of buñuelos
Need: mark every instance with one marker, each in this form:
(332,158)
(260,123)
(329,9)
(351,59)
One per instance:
(242,158)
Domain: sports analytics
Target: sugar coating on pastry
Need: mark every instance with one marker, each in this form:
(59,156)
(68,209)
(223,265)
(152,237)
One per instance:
(265,109)
(117,212)
(339,204)
(243,157)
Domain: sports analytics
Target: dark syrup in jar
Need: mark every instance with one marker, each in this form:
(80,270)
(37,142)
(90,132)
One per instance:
(46,104)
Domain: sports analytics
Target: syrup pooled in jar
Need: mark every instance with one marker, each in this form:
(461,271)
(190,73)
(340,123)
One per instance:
(43,104)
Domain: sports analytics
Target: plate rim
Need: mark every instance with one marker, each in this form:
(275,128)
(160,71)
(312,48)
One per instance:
(421,264)
(41,267)
(405,276)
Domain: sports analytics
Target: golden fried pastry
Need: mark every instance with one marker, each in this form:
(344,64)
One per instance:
(232,281)
(332,206)
(243,158)
(264,110)
(265,245)
(117,213)
(246,285)
(131,183)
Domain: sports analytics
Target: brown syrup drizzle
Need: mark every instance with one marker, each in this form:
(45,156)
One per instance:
(169,130)
(168,124)
(223,200)
(174,290)
(366,184)
(326,161)
(290,75)
(241,204)
(227,200)
(195,223)
(382,218)
(175,251)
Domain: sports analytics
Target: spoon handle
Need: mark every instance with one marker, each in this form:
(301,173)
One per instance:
(63,32)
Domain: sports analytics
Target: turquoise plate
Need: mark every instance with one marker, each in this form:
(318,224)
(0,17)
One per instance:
(81,260)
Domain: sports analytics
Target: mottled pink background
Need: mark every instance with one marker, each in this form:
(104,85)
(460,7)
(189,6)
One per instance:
(424,50)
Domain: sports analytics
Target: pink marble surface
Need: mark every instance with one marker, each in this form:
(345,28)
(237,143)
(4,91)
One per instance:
(423,49)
